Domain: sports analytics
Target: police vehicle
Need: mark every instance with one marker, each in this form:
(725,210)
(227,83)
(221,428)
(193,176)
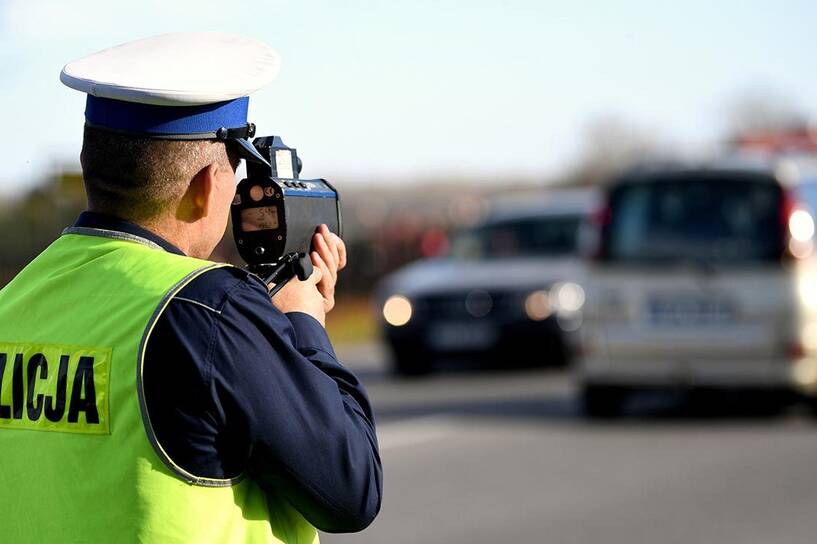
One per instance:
(700,277)
(509,290)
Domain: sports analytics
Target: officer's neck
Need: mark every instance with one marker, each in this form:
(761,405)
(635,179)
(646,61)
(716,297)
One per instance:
(194,234)
(184,235)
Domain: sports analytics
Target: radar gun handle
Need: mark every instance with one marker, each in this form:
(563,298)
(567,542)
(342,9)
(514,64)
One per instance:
(289,266)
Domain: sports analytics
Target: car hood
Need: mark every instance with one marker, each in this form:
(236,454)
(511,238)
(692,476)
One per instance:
(446,275)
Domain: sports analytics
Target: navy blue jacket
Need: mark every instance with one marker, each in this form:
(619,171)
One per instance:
(233,386)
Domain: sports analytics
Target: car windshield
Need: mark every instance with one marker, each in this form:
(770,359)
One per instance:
(700,218)
(532,236)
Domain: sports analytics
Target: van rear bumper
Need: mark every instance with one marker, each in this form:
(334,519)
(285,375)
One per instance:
(704,373)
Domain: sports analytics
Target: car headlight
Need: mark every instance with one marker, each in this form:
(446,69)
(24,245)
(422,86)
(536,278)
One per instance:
(801,225)
(537,305)
(567,297)
(397,310)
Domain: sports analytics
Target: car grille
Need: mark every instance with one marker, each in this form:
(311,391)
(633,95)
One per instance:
(453,305)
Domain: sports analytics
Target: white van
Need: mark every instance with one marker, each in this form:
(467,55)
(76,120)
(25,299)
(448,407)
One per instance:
(701,277)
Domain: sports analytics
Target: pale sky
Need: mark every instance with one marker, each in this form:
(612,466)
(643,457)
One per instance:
(387,90)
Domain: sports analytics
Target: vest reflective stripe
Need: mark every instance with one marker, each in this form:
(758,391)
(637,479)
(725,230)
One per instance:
(79,463)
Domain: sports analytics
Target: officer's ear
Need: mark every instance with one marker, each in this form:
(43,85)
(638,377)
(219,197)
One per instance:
(203,189)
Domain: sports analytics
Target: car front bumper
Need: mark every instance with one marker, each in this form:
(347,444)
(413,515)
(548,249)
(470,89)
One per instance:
(536,338)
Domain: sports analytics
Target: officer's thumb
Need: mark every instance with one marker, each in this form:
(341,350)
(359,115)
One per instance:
(315,278)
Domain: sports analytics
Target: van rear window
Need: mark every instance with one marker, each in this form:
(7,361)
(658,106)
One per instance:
(713,219)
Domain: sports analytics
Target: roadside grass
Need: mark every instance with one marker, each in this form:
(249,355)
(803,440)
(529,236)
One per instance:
(351,321)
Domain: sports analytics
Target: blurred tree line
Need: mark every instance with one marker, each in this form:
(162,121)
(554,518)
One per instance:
(389,224)
(34,220)
(384,227)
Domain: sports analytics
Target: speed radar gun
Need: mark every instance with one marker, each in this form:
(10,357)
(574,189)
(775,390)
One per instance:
(275,213)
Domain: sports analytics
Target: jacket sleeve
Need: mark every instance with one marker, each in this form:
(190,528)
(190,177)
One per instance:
(307,419)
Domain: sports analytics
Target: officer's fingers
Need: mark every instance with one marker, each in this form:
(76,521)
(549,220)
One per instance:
(326,255)
(325,288)
(317,274)
(341,247)
(331,241)
(317,242)
(327,283)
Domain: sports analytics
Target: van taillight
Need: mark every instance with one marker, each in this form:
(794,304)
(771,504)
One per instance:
(796,243)
(795,351)
(600,219)
(786,208)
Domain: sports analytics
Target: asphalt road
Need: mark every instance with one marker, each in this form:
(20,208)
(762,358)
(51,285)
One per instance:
(495,457)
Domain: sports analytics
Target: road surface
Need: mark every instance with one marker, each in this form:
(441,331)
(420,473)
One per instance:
(495,457)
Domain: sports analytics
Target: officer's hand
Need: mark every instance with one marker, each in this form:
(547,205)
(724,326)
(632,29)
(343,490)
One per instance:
(328,255)
(302,296)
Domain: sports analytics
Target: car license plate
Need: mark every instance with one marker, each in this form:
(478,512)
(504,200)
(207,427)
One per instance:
(690,311)
(467,336)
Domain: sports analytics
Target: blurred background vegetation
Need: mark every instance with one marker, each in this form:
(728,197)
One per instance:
(390,224)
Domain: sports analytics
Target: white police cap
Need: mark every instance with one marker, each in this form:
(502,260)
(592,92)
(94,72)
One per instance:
(185,85)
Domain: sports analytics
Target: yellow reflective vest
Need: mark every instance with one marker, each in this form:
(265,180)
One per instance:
(79,461)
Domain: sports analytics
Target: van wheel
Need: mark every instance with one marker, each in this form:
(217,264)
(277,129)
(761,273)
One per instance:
(602,401)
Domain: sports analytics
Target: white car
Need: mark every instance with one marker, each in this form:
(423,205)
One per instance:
(509,290)
(701,277)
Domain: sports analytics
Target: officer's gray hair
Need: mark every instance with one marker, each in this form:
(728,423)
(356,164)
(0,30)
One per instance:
(138,178)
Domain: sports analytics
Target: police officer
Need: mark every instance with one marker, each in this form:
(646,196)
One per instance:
(146,393)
